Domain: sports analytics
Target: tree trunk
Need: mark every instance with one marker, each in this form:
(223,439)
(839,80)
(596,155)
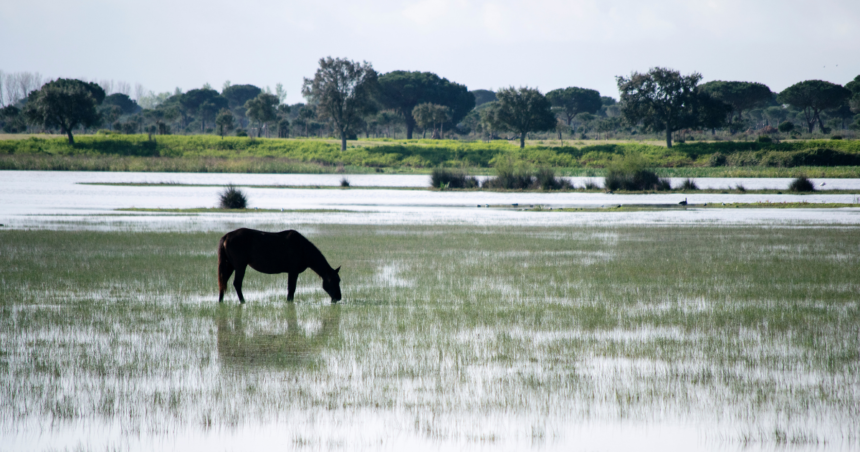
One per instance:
(342,141)
(410,126)
(522,140)
(668,137)
(71,138)
(820,123)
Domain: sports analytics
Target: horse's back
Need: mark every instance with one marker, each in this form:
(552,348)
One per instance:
(268,252)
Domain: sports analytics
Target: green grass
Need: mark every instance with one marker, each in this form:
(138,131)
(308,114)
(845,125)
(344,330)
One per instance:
(203,153)
(446,333)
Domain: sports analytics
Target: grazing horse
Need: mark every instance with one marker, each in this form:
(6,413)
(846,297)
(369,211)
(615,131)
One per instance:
(272,252)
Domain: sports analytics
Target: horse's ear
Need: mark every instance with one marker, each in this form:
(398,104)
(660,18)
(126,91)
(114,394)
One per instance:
(337,270)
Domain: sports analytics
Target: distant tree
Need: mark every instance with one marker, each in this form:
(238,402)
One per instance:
(741,96)
(125,103)
(489,123)
(402,91)
(661,99)
(191,101)
(429,115)
(12,120)
(482,96)
(524,110)
(786,126)
(208,109)
(110,114)
(813,97)
(284,128)
(225,121)
(608,101)
(775,115)
(65,103)
(854,87)
(262,109)
(712,113)
(573,101)
(343,92)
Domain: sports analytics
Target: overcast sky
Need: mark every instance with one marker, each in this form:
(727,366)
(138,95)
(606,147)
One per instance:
(483,44)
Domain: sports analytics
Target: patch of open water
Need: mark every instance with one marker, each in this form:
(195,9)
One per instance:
(35,199)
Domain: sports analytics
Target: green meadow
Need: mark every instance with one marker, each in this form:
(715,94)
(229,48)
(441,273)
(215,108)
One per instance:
(206,153)
(445,332)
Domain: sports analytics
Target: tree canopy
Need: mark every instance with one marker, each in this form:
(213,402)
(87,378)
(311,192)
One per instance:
(125,103)
(65,103)
(813,97)
(523,110)
(482,96)
(262,109)
(343,92)
(402,91)
(237,95)
(741,96)
(573,101)
(664,100)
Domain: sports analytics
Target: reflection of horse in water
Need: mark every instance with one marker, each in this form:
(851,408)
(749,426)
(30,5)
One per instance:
(290,348)
(272,252)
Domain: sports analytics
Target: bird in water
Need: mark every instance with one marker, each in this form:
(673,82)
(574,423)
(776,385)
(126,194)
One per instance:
(684,202)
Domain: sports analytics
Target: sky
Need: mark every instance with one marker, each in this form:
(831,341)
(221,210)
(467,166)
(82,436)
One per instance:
(548,44)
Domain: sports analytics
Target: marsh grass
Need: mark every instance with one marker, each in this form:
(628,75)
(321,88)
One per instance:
(447,334)
(232,198)
(801,184)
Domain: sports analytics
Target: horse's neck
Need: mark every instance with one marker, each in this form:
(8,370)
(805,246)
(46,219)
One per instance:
(318,263)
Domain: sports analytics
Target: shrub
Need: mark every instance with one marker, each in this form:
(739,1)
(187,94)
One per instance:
(446,178)
(630,174)
(740,188)
(241,133)
(344,182)
(717,159)
(689,184)
(785,126)
(233,198)
(546,180)
(801,184)
(590,184)
(764,139)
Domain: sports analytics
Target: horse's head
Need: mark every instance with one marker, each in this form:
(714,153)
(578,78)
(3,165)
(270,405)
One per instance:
(331,284)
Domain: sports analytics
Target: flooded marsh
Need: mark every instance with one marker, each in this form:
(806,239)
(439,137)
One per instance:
(475,337)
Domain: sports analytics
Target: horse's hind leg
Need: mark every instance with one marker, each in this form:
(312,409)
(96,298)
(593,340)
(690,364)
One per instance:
(225,270)
(237,282)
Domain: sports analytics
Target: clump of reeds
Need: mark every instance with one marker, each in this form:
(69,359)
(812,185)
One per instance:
(740,188)
(590,184)
(801,184)
(689,184)
(344,182)
(232,198)
(630,173)
(448,178)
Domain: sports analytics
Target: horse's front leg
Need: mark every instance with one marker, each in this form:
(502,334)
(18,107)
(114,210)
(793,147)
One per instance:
(292,278)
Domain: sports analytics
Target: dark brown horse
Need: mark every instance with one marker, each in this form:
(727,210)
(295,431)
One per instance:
(272,252)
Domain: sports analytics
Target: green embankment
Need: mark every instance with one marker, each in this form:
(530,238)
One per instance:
(202,153)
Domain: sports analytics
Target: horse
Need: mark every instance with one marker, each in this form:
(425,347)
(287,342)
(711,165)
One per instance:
(271,253)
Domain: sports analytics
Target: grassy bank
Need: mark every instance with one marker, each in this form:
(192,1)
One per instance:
(834,158)
(510,333)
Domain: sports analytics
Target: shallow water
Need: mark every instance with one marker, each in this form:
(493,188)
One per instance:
(42,199)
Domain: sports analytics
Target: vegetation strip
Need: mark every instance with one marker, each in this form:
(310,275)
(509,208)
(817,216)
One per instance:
(226,210)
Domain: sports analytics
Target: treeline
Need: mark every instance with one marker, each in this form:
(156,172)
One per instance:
(347,99)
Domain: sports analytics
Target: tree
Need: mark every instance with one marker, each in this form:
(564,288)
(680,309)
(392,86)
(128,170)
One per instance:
(110,114)
(65,103)
(284,128)
(524,110)
(741,96)
(428,115)
(262,109)
(402,91)
(125,103)
(661,99)
(191,102)
(237,95)
(343,92)
(813,97)
(854,87)
(573,101)
(12,119)
(208,109)
(489,122)
(225,121)
(482,96)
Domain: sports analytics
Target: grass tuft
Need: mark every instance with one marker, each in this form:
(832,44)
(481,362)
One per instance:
(801,185)
(446,178)
(689,184)
(233,198)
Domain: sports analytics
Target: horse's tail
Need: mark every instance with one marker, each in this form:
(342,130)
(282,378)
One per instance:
(225,268)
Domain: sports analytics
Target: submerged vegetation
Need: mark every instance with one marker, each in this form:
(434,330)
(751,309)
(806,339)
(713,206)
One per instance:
(516,330)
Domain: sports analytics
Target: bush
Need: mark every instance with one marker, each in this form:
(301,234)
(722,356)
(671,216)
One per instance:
(785,126)
(717,159)
(344,182)
(740,188)
(546,180)
(689,184)
(764,139)
(241,133)
(630,174)
(233,198)
(445,178)
(590,184)
(801,185)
